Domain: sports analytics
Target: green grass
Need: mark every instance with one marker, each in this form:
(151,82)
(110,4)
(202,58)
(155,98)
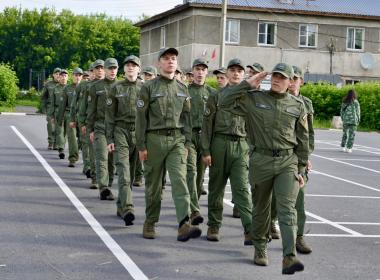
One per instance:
(26,102)
(6,109)
(321,124)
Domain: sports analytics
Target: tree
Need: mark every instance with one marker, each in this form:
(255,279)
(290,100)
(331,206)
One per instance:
(8,85)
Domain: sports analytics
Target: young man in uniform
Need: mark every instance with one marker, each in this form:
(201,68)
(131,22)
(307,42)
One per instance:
(121,139)
(279,134)
(163,133)
(221,77)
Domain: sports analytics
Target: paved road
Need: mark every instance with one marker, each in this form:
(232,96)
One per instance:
(54,227)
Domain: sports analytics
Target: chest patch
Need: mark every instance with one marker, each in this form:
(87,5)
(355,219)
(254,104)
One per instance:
(263,106)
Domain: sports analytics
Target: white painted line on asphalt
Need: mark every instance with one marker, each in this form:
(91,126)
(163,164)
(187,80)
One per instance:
(346,163)
(345,180)
(357,159)
(346,223)
(342,235)
(118,252)
(338,143)
(355,147)
(343,196)
(331,223)
(12,114)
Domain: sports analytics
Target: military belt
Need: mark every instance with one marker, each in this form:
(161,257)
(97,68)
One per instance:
(274,153)
(129,126)
(167,132)
(229,137)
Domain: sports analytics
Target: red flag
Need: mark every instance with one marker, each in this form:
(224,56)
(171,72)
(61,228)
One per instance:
(213,55)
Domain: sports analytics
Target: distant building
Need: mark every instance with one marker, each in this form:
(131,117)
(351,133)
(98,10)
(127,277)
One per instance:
(307,33)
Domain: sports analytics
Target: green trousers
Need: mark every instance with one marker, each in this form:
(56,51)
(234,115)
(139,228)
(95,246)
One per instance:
(168,151)
(139,171)
(71,139)
(274,176)
(60,134)
(50,131)
(229,160)
(104,162)
(195,172)
(126,155)
(85,144)
(348,137)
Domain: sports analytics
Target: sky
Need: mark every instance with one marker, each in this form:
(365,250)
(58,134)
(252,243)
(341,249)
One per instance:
(131,9)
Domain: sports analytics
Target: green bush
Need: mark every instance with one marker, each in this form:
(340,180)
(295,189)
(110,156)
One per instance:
(211,81)
(8,85)
(327,100)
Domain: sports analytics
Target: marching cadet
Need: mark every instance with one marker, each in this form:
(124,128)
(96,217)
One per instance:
(74,120)
(279,132)
(225,151)
(47,93)
(163,133)
(57,98)
(221,77)
(199,93)
(254,69)
(97,98)
(121,139)
(64,116)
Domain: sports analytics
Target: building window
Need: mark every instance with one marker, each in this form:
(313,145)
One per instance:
(355,38)
(267,34)
(163,37)
(232,31)
(308,35)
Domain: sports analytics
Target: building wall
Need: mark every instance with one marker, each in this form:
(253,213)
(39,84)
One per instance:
(196,33)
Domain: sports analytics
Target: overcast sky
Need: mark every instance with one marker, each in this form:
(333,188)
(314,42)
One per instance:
(130,9)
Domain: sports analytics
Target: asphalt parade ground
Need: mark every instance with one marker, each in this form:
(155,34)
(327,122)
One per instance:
(52,226)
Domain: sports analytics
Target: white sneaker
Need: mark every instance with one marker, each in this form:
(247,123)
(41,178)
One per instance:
(344,149)
(349,151)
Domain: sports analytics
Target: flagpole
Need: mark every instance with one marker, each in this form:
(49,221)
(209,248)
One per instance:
(222,33)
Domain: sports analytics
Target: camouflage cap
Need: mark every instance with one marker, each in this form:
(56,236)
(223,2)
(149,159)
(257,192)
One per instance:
(98,62)
(284,69)
(189,73)
(63,71)
(56,70)
(220,71)
(150,70)
(200,61)
(110,62)
(164,51)
(298,72)
(132,58)
(91,67)
(257,67)
(86,73)
(235,62)
(78,71)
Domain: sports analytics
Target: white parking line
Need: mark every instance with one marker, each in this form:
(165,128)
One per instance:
(343,196)
(376,152)
(346,223)
(342,235)
(345,180)
(118,252)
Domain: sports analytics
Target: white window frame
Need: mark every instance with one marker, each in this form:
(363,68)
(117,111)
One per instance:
(266,34)
(227,35)
(163,37)
(354,39)
(308,32)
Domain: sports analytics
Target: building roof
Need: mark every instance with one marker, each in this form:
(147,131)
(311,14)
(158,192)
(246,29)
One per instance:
(366,9)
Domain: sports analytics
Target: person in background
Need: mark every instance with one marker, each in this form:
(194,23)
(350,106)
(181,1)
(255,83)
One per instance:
(350,114)
(221,77)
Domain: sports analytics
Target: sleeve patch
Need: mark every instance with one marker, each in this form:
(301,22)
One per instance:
(109,101)
(140,103)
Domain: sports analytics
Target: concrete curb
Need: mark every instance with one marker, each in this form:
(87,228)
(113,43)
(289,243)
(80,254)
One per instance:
(12,114)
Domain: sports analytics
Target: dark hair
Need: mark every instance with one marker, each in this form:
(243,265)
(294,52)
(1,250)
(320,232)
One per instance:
(350,97)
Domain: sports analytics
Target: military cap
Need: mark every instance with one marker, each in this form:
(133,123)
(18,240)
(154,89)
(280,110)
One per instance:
(284,69)
(256,67)
(220,71)
(78,71)
(86,73)
(111,62)
(57,69)
(98,62)
(164,51)
(189,73)
(235,62)
(150,70)
(63,71)
(298,72)
(132,58)
(91,67)
(200,61)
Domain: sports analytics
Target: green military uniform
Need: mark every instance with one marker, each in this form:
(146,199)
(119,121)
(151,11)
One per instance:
(224,138)
(120,127)
(60,131)
(350,114)
(281,146)
(47,93)
(78,98)
(104,162)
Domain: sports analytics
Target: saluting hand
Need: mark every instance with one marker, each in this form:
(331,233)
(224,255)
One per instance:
(256,80)
(207,160)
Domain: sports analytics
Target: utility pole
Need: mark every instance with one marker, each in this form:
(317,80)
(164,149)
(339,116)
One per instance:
(331,47)
(223,33)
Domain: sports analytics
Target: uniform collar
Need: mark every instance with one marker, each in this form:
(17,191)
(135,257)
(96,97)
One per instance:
(278,95)
(167,80)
